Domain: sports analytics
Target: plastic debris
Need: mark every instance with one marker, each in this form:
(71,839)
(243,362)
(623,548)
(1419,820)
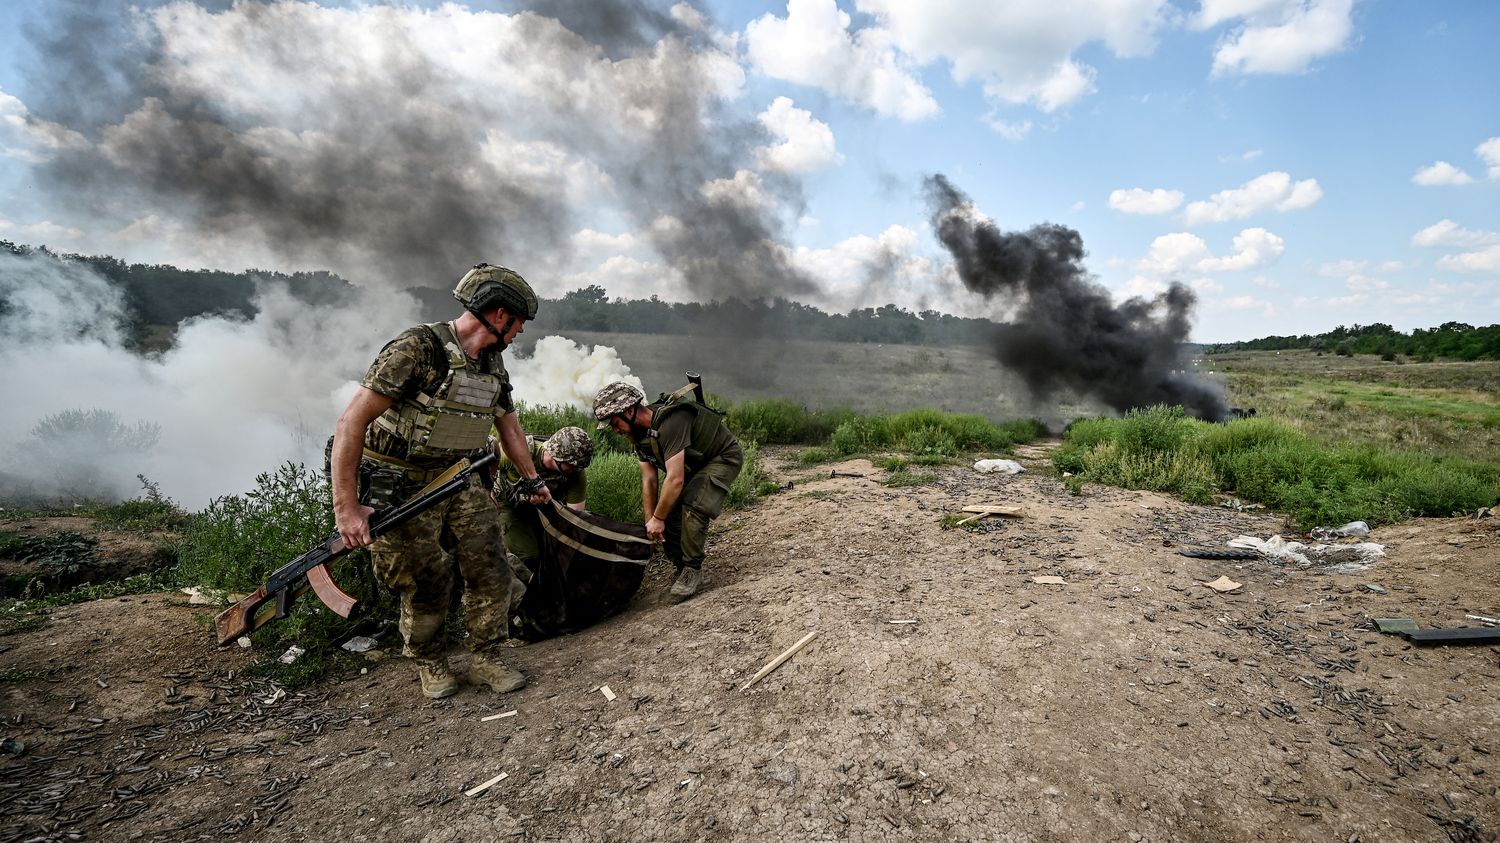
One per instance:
(360,643)
(291,655)
(1353,528)
(1223,584)
(999,467)
(1392,625)
(1049,580)
(1336,558)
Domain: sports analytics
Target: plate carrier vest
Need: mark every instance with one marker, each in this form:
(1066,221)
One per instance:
(704,430)
(456,419)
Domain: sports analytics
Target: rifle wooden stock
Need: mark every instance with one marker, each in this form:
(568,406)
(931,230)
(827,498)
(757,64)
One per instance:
(309,571)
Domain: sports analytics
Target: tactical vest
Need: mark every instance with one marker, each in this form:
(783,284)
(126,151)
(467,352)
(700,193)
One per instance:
(708,437)
(456,418)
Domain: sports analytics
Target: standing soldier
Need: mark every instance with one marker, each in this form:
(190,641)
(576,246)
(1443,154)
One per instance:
(560,460)
(687,440)
(428,400)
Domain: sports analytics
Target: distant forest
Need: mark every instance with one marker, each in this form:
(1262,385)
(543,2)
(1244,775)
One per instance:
(159,296)
(1454,340)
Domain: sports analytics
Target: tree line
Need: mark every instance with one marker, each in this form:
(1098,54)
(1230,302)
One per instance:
(160,296)
(1452,340)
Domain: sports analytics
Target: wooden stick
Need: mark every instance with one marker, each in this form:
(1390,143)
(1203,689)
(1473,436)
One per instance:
(608,694)
(972,518)
(511,713)
(776,662)
(478,789)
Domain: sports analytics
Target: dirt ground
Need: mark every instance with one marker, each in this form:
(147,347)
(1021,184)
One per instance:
(946,697)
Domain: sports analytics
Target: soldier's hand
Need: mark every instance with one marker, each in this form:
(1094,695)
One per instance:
(540,495)
(353,524)
(656,529)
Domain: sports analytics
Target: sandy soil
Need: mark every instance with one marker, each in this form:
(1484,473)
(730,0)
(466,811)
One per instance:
(1131,703)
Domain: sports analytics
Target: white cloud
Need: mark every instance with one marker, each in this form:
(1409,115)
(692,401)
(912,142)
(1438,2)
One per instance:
(1015,131)
(1342,269)
(806,143)
(1253,249)
(813,46)
(1249,303)
(1021,51)
(1489,153)
(1448,233)
(1140,201)
(1484,260)
(24,136)
(1078,206)
(1272,191)
(863,270)
(1440,174)
(1018,51)
(1172,255)
(1366,284)
(744,190)
(43,232)
(1276,36)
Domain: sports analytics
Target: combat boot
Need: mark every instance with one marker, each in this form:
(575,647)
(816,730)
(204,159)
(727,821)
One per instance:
(437,680)
(687,582)
(486,670)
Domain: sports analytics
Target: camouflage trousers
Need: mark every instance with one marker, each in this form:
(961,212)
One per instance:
(522,526)
(414,560)
(702,500)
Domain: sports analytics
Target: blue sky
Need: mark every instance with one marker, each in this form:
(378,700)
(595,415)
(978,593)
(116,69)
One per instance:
(1299,163)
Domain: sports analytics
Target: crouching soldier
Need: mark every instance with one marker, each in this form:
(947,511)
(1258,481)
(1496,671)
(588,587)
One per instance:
(560,460)
(428,400)
(688,442)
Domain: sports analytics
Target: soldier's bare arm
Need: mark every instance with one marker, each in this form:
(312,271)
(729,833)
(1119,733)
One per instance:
(513,442)
(350,516)
(671,490)
(648,489)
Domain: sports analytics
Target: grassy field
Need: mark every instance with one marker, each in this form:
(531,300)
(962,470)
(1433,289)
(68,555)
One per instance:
(822,375)
(1442,408)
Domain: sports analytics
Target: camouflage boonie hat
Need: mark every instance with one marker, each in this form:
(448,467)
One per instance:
(614,398)
(486,286)
(571,445)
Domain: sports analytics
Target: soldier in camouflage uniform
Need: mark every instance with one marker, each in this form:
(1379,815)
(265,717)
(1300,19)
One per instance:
(560,460)
(686,441)
(428,400)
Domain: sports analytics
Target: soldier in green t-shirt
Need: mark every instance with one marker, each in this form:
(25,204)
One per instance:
(560,460)
(687,443)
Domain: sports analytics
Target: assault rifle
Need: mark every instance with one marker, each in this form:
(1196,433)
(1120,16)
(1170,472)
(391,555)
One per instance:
(273,600)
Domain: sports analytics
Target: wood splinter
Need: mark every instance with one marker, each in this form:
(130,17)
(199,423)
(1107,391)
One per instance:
(776,662)
(478,789)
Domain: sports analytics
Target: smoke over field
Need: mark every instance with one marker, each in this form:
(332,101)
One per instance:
(1067,333)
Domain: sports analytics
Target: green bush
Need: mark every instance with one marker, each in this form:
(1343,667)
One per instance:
(615,487)
(152,512)
(776,421)
(547,420)
(237,541)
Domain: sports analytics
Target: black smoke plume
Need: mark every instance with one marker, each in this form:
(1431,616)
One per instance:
(1067,333)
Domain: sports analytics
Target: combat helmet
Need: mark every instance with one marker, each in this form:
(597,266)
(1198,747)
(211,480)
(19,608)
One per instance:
(615,398)
(487,286)
(571,445)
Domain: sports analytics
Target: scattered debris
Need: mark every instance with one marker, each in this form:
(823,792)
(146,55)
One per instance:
(608,694)
(1336,558)
(204,596)
(275,697)
(1459,635)
(360,643)
(1393,625)
(478,789)
(1353,528)
(1049,580)
(1373,588)
(243,641)
(1482,619)
(1240,506)
(776,662)
(511,713)
(1218,553)
(11,746)
(836,473)
(1223,584)
(998,467)
(908,621)
(291,655)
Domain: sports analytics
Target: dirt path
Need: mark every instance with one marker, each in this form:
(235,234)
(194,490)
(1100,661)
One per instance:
(1131,703)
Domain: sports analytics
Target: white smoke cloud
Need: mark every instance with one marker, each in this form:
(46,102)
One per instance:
(562,373)
(231,399)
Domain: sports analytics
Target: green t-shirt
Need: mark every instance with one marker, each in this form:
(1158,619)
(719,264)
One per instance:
(568,488)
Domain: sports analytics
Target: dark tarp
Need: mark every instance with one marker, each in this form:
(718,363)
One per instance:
(590,568)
